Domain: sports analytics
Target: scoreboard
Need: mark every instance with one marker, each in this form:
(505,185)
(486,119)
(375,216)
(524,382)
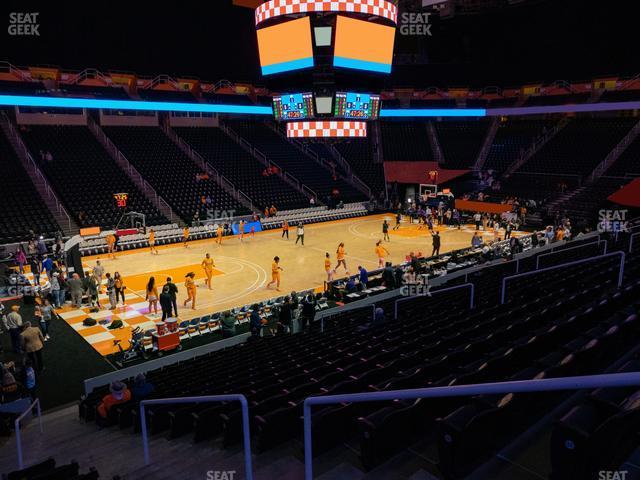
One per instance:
(293,106)
(353,105)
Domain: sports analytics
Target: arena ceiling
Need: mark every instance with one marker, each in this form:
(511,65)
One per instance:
(485,42)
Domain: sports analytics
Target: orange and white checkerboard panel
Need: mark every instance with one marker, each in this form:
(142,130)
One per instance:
(276,8)
(327,129)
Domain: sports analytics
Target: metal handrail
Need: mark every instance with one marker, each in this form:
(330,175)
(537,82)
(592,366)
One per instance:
(612,380)
(204,399)
(597,242)
(16,425)
(448,289)
(564,265)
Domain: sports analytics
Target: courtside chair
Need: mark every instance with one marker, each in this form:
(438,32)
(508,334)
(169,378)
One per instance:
(193,326)
(203,327)
(183,329)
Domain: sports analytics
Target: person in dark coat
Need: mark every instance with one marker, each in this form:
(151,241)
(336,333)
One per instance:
(285,316)
(255,321)
(435,239)
(308,311)
(166,302)
(173,292)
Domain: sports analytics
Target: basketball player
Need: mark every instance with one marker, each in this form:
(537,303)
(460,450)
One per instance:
(340,254)
(241,230)
(185,236)
(380,252)
(398,220)
(190,285)
(275,273)
(208,265)
(219,233)
(111,245)
(327,266)
(152,242)
(285,229)
(385,231)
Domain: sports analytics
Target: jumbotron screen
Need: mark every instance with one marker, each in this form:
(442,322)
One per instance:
(286,46)
(363,45)
(356,106)
(293,106)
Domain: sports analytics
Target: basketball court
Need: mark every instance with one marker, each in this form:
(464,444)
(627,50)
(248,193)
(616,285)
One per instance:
(242,268)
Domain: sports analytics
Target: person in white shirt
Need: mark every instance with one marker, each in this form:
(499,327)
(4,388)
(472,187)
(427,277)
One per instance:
(300,233)
(477,218)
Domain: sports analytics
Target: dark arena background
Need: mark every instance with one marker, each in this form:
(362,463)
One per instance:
(297,239)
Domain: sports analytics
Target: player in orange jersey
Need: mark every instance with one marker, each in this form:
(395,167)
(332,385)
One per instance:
(208,265)
(241,230)
(152,242)
(185,236)
(327,266)
(380,252)
(275,273)
(219,234)
(111,245)
(190,285)
(340,255)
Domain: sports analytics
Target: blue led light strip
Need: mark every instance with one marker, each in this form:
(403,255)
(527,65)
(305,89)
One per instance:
(433,112)
(60,102)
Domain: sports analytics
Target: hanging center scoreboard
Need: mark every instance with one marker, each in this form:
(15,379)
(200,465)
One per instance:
(294,106)
(361,106)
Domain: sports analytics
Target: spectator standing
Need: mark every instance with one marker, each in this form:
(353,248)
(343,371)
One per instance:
(36,269)
(435,240)
(173,292)
(255,321)
(111,291)
(32,343)
(13,324)
(75,289)
(364,277)
(166,303)
(300,233)
(57,292)
(45,320)
(228,324)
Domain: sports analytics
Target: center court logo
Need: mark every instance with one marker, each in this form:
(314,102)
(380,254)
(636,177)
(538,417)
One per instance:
(24,24)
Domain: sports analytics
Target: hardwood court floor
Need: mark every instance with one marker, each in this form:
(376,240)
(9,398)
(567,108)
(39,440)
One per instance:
(243,268)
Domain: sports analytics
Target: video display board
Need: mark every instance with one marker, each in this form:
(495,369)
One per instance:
(363,45)
(354,105)
(298,106)
(286,46)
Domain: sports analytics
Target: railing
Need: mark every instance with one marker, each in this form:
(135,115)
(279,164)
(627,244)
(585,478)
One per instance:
(203,399)
(309,192)
(564,265)
(633,235)
(292,179)
(588,244)
(614,154)
(469,285)
(16,425)
(246,198)
(537,143)
(131,171)
(38,173)
(486,146)
(339,313)
(612,380)
(360,185)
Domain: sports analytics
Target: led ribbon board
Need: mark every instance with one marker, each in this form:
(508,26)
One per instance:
(286,46)
(363,45)
(293,106)
(357,105)
(64,102)
(327,129)
(276,8)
